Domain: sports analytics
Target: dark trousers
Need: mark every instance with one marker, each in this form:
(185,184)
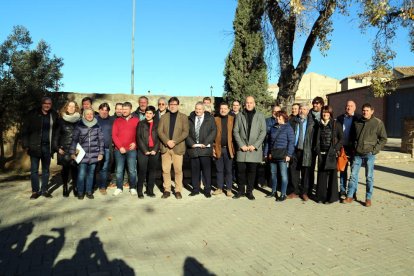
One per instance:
(198,165)
(300,175)
(34,170)
(147,168)
(327,187)
(247,176)
(224,170)
(73,171)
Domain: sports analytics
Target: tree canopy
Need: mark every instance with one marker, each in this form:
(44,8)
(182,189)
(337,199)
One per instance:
(26,75)
(313,20)
(246,71)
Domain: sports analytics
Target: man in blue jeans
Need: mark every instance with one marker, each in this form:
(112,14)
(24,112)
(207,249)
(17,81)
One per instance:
(38,131)
(368,137)
(124,133)
(347,120)
(105,122)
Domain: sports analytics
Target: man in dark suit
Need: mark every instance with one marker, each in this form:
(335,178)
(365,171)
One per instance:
(202,131)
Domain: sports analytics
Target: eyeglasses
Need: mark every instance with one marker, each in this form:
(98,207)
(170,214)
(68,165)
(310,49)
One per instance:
(161,104)
(173,104)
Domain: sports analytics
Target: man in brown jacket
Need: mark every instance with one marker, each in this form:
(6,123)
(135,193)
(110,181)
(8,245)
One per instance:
(223,150)
(172,131)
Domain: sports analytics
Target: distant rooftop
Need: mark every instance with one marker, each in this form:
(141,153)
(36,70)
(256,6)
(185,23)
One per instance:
(401,72)
(405,71)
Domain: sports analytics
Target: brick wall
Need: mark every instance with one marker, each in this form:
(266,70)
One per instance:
(360,96)
(407,141)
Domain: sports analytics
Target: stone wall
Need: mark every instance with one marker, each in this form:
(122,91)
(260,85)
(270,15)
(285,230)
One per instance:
(21,162)
(407,141)
(186,103)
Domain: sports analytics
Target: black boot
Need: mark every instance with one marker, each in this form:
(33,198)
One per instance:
(75,191)
(65,190)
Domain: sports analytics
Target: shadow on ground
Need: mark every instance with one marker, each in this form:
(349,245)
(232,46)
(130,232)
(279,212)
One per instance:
(41,254)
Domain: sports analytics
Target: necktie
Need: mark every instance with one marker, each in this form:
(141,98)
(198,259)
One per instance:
(197,129)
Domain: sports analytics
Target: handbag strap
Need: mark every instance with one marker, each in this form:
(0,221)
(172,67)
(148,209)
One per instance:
(275,139)
(84,138)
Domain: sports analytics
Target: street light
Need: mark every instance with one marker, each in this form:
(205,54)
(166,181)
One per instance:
(133,45)
(211,91)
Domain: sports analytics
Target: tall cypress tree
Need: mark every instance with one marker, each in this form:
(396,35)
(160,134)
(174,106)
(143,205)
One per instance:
(246,71)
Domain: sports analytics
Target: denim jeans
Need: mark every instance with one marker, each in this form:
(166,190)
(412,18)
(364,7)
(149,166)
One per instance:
(34,170)
(280,166)
(131,158)
(369,160)
(343,176)
(103,170)
(86,173)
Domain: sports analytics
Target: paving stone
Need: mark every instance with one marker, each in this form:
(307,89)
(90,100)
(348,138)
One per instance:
(221,236)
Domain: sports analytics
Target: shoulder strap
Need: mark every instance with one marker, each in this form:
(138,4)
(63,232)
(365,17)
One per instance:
(275,139)
(84,138)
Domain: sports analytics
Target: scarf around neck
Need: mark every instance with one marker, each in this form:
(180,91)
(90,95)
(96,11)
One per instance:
(71,118)
(89,123)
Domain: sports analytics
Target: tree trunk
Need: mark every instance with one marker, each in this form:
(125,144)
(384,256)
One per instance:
(284,27)
(2,157)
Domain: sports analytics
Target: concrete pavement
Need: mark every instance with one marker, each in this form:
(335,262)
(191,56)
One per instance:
(218,236)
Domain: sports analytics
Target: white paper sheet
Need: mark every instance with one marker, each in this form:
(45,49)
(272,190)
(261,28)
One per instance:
(81,153)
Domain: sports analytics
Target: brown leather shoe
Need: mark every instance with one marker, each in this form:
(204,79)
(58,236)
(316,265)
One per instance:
(34,195)
(305,197)
(292,196)
(348,200)
(368,203)
(166,195)
(178,195)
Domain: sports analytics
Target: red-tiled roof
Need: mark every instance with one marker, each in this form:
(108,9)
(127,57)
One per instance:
(405,70)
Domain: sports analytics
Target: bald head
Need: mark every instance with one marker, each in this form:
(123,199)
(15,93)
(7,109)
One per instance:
(250,103)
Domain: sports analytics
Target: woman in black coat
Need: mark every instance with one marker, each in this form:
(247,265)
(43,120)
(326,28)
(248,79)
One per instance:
(69,117)
(328,144)
(148,152)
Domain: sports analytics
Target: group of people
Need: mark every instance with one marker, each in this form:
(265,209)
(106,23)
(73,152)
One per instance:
(149,140)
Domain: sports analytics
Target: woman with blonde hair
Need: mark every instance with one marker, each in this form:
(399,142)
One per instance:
(89,135)
(68,118)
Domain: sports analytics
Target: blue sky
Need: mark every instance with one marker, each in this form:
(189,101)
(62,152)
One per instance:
(180,46)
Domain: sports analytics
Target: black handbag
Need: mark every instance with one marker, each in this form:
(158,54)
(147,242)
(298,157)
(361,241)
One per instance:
(278,153)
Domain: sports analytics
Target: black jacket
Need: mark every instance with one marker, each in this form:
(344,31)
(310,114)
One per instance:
(32,132)
(328,161)
(63,140)
(143,136)
(208,132)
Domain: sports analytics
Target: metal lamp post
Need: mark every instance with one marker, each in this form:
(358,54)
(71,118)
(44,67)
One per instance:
(133,45)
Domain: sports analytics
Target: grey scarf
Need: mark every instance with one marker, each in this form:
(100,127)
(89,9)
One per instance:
(71,118)
(89,123)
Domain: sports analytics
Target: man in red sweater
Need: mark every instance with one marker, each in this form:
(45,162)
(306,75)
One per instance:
(124,136)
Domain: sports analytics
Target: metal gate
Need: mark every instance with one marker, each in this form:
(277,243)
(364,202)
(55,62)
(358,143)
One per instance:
(400,105)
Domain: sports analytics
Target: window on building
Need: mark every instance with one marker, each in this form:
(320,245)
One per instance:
(358,81)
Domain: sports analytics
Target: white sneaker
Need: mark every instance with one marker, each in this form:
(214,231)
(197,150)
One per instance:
(133,191)
(117,192)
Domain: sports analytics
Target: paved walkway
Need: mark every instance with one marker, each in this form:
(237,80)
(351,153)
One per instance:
(198,236)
